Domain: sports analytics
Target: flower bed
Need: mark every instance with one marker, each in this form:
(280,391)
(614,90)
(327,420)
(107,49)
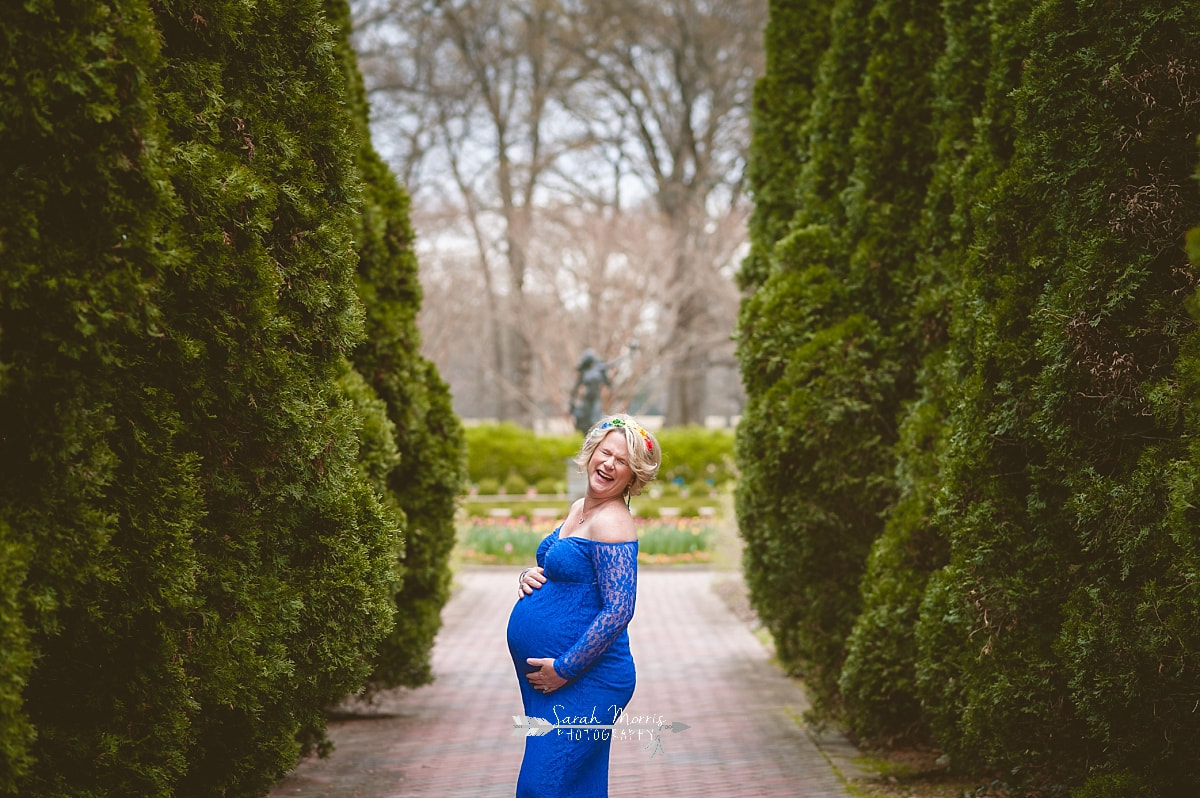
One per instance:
(515,540)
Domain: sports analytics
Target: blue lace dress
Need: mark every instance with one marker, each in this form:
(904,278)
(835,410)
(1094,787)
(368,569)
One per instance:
(578,617)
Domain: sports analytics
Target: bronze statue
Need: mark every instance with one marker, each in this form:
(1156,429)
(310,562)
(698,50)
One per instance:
(593,373)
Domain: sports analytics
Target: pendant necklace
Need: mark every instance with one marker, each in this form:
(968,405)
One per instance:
(582,510)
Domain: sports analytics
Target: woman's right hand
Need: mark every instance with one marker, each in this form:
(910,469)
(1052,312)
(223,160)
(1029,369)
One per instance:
(530,580)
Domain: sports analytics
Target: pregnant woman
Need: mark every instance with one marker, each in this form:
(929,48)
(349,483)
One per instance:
(567,631)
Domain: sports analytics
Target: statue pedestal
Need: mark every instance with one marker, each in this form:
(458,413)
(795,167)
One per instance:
(576,481)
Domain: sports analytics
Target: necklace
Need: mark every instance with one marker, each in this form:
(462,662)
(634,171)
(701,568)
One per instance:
(583,510)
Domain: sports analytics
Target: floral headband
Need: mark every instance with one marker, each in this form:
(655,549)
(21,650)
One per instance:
(619,422)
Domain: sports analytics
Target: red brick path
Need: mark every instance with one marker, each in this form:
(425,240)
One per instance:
(697,663)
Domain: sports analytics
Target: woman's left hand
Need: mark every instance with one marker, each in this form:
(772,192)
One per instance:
(545,679)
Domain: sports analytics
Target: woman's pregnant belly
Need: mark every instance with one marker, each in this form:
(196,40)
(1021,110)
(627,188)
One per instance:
(550,621)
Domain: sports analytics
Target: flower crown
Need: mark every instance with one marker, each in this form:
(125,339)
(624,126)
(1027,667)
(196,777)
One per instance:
(620,422)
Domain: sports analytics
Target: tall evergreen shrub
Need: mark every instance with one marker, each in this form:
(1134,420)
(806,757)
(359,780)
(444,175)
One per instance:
(807,537)
(834,408)
(1044,649)
(1174,599)
(99,498)
(196,563)
(796,36)
(826,157)
(297,551)
(786,319)
(892,147)
(1113,386)
(878,680)
(431,469)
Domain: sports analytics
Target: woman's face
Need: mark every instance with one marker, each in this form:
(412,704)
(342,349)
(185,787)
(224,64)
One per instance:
(608,471)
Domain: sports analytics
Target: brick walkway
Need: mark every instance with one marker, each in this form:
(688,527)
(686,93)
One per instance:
(697,663)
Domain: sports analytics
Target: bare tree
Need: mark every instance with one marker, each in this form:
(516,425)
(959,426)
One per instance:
(481,80)
(584,160)
(682,73)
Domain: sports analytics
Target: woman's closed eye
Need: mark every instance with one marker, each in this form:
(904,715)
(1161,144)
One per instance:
(607,453)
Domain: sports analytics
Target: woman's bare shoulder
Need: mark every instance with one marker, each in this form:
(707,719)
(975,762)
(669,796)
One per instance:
(615,525)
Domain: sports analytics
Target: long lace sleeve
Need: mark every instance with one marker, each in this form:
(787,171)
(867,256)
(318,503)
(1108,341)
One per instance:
(616,577)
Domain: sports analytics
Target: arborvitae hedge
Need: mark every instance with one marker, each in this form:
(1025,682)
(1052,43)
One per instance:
(195,561)
(1045,523)
(1182,619)
(1073,415)
(815,440)
(1132,642)
(431,471)
(790,311)
(878,680)
(797,35)
(826,159)
(296,549)
(99,498)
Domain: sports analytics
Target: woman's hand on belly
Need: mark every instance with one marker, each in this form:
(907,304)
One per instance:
(545,679)
(531,579)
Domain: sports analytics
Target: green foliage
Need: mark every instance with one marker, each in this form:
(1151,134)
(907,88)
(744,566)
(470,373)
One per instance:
(810,448)
(429,439)
(494,450)
(985,633)
(1113,785)
(696,456)
(1030,602)
(652,503)
(946,618)
(892,146)
(1131,647)
(1042,640)
(378,454)
(826,346)
(878,681)
(195,556)
(797,35)
(296,550)
(489,486)
(497,452)
(97,501)
(510,541)
(514,483)
(16,661)
(827,160)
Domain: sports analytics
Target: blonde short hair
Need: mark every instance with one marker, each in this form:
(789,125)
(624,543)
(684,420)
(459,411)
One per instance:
(645,455)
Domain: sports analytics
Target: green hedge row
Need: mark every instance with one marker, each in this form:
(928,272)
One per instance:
(494,451)
(430,472)
(693,456)
(201,509)
(648,505)
(975,316)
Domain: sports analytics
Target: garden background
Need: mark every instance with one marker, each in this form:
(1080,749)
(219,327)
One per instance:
(967,470)
(520,487)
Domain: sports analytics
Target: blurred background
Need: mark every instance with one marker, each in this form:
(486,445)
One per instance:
(577,173)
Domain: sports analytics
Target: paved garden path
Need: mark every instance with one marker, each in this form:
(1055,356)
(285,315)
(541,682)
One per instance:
(697,662)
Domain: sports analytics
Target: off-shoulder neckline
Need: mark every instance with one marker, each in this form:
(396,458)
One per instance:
(602,542)
(558,531)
